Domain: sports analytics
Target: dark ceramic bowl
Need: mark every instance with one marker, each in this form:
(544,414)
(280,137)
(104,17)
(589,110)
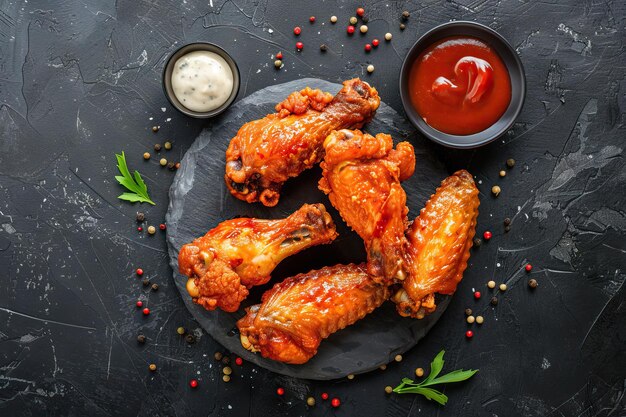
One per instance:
(169,67)
(508,56)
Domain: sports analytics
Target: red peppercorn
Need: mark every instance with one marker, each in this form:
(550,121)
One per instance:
(297,30)
(360,11)
(350,30)
(162,226)
(193,383)
(477,294)
(139,229)
(528,267)
(239,361)
(146,311)
(487,235)
(312,19)
(299,45)
(368,47)
(324,395)
(139,303)
(139,271)
(279,55)
(375,43)
(280,391)
(469,334)
(335,402)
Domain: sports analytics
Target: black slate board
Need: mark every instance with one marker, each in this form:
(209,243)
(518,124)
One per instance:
(199,200)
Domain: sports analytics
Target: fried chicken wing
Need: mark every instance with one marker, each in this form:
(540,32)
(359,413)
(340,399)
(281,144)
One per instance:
(439,245)
(267,152)
(361,175)
(298,313)
(241,253)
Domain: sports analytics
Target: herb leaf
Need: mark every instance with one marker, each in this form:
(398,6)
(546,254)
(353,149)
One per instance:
(136,185)
(408,386)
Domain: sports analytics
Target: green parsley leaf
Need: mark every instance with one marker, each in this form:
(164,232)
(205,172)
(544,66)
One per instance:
(135,184)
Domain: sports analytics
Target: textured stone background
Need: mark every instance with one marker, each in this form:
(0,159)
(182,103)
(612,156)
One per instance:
(80,80)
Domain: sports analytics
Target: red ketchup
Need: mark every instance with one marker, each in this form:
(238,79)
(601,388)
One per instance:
(459,85)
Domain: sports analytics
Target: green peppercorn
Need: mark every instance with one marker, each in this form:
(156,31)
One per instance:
(388,389)
(146,155)
(510,162)
(163,162)
(167,145)
(278,63)
(151,230)
(227,370)
(226,378)
(141,338)
(180,330)
(310,401)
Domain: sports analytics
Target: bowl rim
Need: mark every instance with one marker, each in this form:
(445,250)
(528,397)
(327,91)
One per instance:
(166,81)
(518,87)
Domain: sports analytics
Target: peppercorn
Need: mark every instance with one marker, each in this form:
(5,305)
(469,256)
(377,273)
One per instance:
(139,228)
(162,226)
(180,330)
(383,367)
(140,216)
(468,311)
(368,47)
(152,367)
(155,287)
(297,30)
(370,68)
(351,376)
(365,19)
(146,155)
(227,370)
(146,311)
(155,129)
(141,338)
(419,372)
(190,338)
(167,145)
(477,295)
(510,162)
(139,271)
(226,360)
(507,221)
(495,190)
(420,315)
(151,230)
(491,284)
(507,229)
(238,361)
(145,282)
(502,287)
(363,28)
(477,242)
(353,20)
(532,283)
(470,319)
(469,334)
(323,47)
(280,391)
(171,166)
(157,147)
(402,26)
(350,30)
(502,173)
(226,378)
(218,356)
(480,319)
(177,166)
(193,383)
(388,36)
(494,301)
(528,267)
(405,15)
(299,46)
(375,42)
(163,162)
(310,401)
(139,303)
(312,19)
(333,19)
(388,389)
(487,235)
(324,396)
(398,358)
(278,63)
(335,402)
(360,11)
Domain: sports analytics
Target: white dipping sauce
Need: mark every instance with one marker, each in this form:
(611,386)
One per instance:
(202,81)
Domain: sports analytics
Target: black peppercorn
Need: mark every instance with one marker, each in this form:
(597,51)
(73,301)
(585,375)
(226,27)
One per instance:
(140,216)
(145,282)
(477,242)
(157,147)
(155,287)
(225,360)
(323,47)
(402,26)
(190,338)
(507,221)
(468,311)
(494,301)
(510,162)
(507,229)
(171,166)
(532,283)
(405,15)
(141,339)
(365,19)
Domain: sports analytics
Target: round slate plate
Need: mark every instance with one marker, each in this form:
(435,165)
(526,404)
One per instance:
(199,201)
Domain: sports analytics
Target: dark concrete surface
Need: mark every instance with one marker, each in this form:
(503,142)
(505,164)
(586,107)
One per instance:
(80,81)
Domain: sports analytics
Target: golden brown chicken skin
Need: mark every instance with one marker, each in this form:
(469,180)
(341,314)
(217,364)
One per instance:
(298,313)
(267,152)
(440,239)
(241,253)
(361,175)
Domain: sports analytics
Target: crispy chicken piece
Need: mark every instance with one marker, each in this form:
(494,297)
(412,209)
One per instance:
(240,253)
(298,313)
(439,245)
(361,175)
(267,152)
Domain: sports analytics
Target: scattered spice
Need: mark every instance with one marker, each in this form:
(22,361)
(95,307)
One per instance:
(388,36)
(532,283)
(507,229)
(226,360)
(402,26)
(226,378)
(141,338)
(351,376)
(363,28)
(388,389)
(280,391)
(383,367)
(146,155)
(162,226)
(238,361)
(368,47)
(491,284)
(510,162)
(502,173)
(190,338)
(398,358)
(193,383)
(297,30)
(477,295)
(360,11)
(155,129)
(139,271)
(477,242)
(146,311)
(324,396)
(365,19)
(218,356)
(507,221)
(323,47)
(310,401)
(335,402)
(494,301)
(333,19)
(140,216)
(139,228)
(180,330)
(470,319)
(177,166)
(502,287)
(139,303)
(370,68)
(487,235)
(353,20)
(152,367)
(227,370)
(469,334)
(468,311)
(163,162)
(157,147)
(405,15)
(167,145)
(299,46)
(278,63)
(350,30)
(151,230)
(145,282)
(495,190)
(528,267)
(480,319)
(375,42)
(155,287)
(419,372)
(312,19)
